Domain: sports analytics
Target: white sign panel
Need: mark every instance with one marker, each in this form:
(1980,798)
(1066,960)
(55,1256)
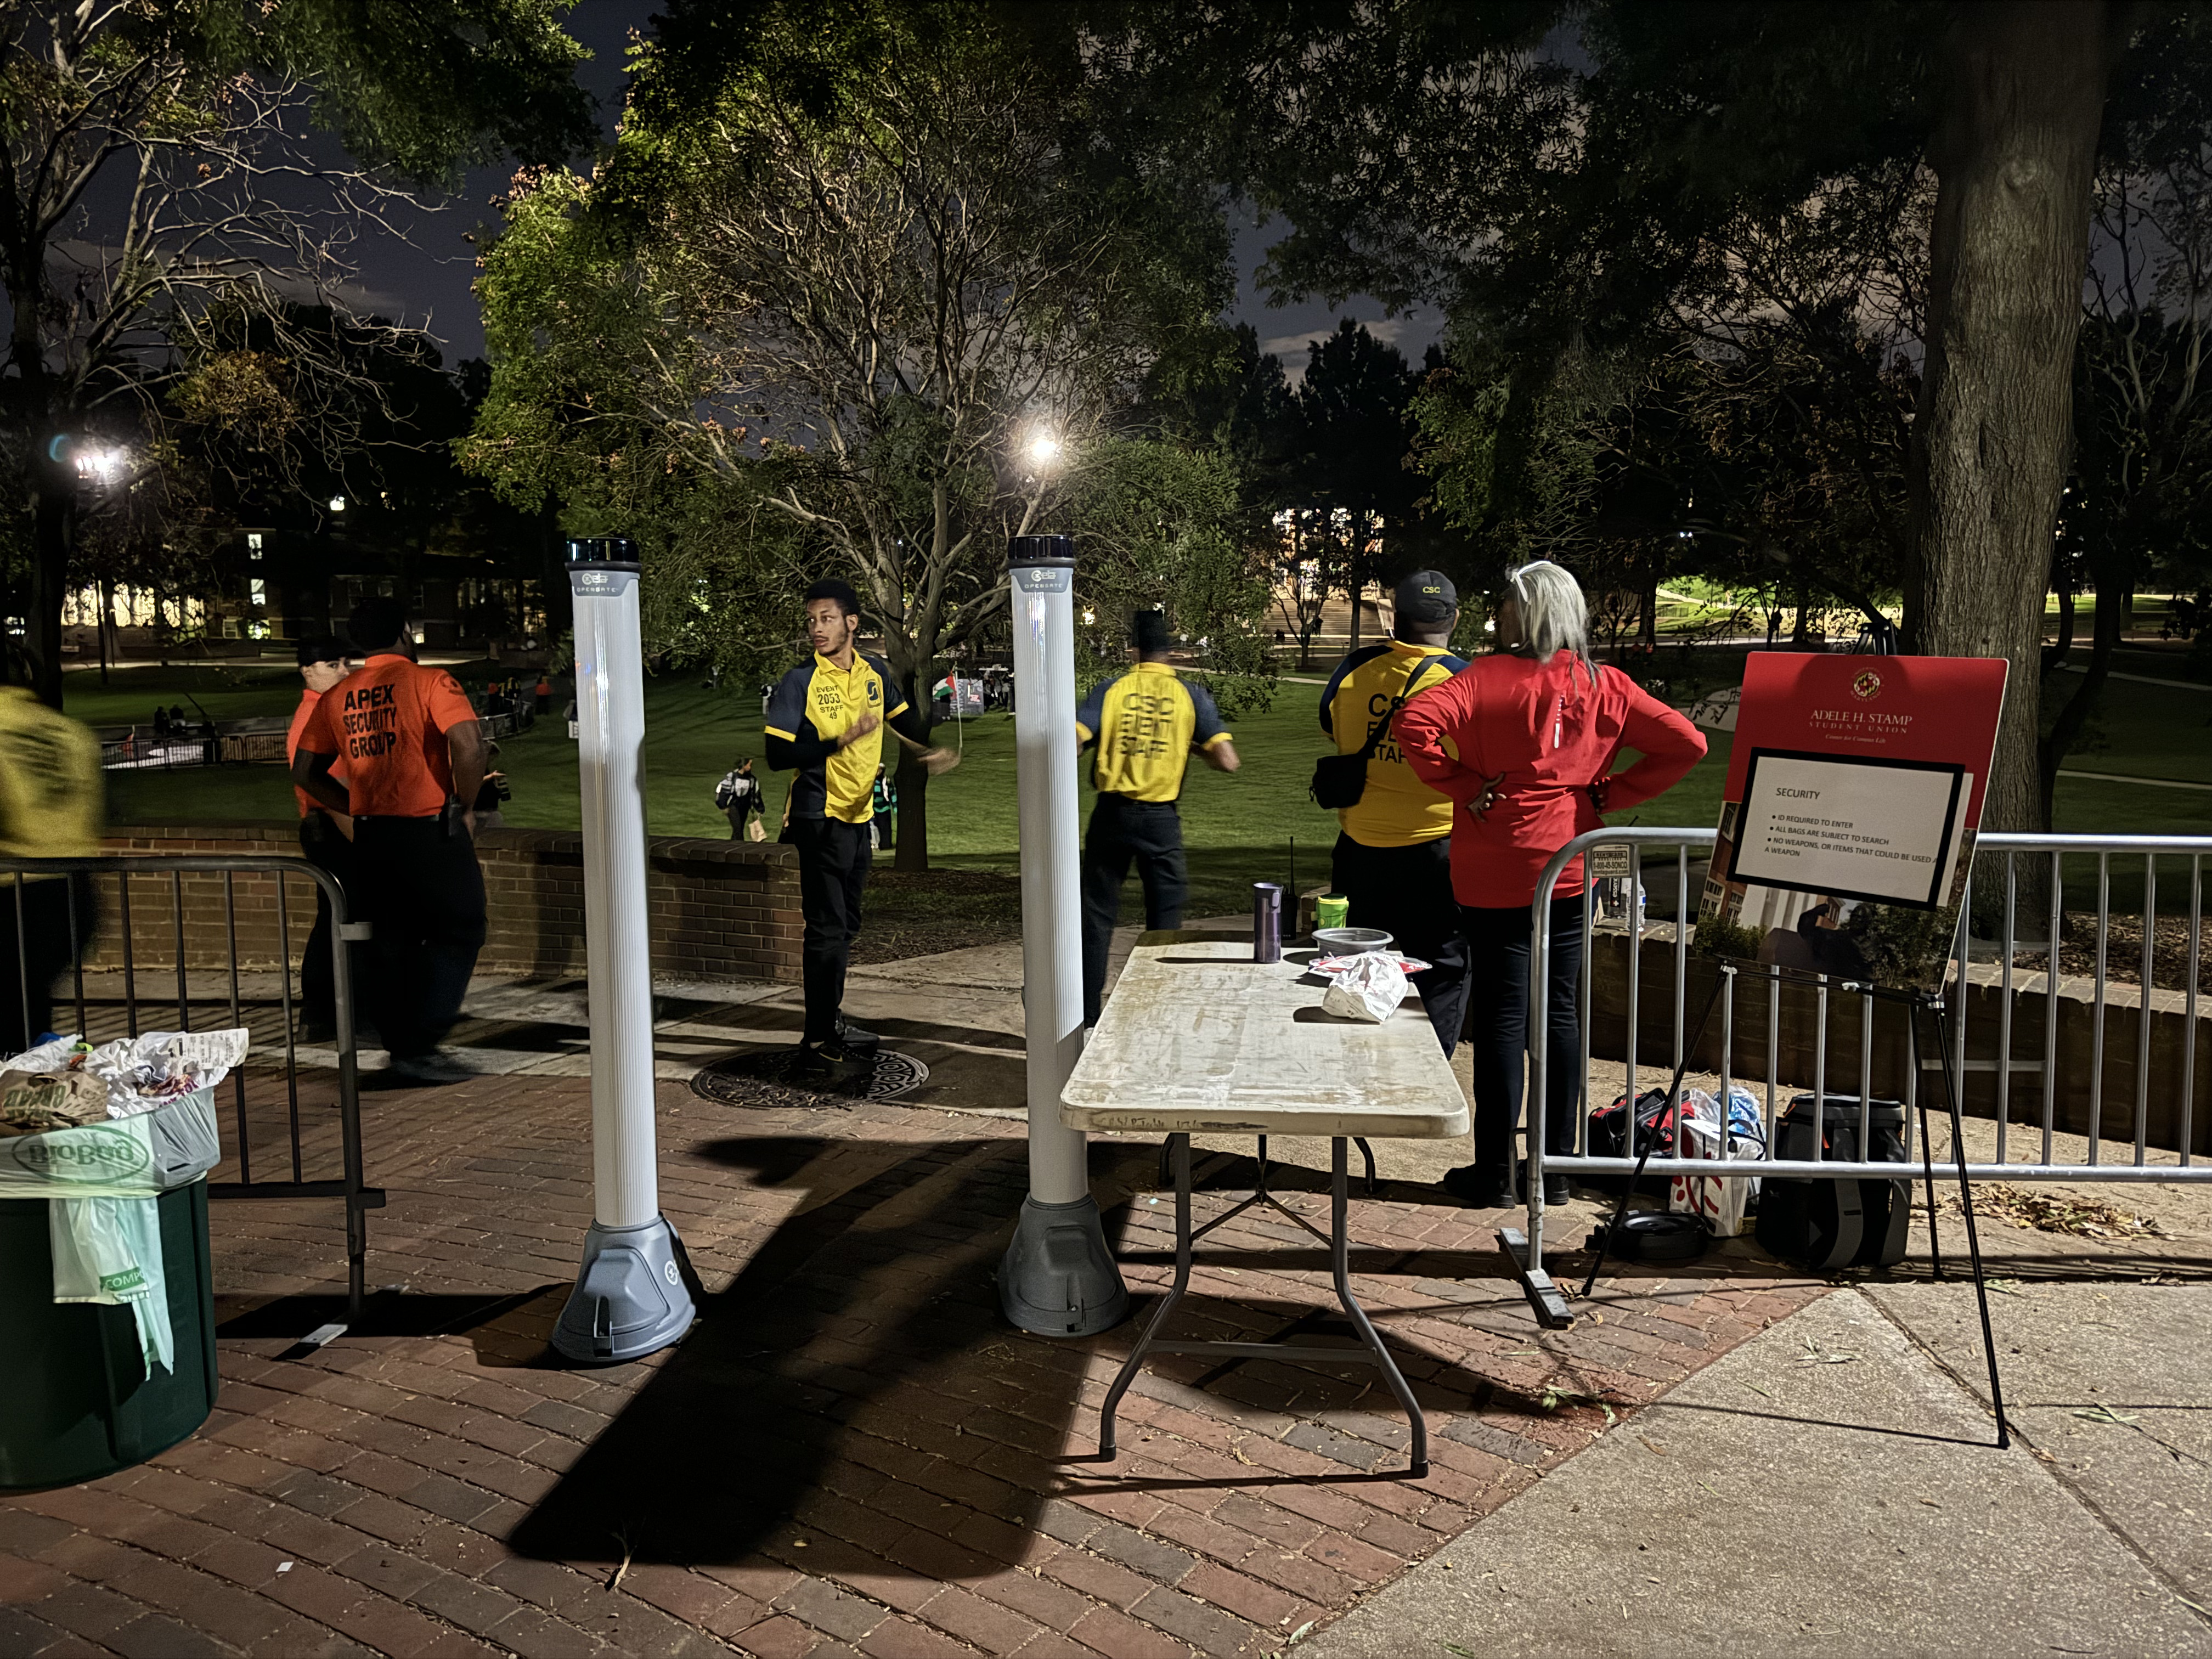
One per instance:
(1855,828)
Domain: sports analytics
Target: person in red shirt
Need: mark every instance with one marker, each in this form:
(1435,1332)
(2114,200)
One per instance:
(1523,742)
(326,839)
(413,749)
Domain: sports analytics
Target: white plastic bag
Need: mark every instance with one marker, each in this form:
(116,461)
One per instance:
(109,1249)
(1368,990)
(1718,1202)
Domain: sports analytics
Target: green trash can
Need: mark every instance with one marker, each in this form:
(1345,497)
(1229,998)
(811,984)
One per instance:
(75,1402)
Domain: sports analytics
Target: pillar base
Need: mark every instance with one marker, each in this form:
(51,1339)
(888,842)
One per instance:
(1058,1278)
(630,1299)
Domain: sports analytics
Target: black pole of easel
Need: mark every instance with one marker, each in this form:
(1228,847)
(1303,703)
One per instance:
(1952,1090)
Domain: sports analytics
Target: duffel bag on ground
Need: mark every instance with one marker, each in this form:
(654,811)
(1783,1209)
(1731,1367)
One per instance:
(1826,1224)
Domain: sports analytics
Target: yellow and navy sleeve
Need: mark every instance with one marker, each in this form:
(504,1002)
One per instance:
(1206,728)
(792,741)
(1091,715)
(1358,659)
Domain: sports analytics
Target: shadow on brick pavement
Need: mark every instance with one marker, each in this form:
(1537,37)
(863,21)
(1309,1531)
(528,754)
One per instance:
(851,1452)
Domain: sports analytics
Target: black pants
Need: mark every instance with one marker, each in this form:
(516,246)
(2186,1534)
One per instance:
(423,894)
(833,869)
(328,850)
(27,979)
(1498,945)
(1149,834)
(1407,892)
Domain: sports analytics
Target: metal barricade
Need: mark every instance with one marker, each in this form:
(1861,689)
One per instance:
(107,1002)
(1795,1031)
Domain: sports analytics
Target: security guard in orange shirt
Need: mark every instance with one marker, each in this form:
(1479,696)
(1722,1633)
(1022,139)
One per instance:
(1147,724)
(414,750)
(825,720)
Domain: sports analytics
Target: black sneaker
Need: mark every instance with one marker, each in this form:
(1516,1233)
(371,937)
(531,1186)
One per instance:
(1557,1189)
(832,1056)
(435,1069)
(860,1041)
(1479,1188)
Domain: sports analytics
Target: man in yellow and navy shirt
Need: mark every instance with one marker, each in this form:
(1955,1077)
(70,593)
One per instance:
(825,720)
(50,808)
(1393,857)
(1147,724)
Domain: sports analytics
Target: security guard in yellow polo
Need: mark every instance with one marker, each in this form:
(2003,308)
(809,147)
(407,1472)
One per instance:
(1392,859)
(50,808)
(825,720)
(1146,723)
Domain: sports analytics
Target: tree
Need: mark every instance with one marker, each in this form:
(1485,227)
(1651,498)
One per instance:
(863,265)
(159,168)
(1566,203)
(1358,491)
(2142,463)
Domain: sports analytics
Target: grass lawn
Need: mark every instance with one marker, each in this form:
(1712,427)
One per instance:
(1239,829)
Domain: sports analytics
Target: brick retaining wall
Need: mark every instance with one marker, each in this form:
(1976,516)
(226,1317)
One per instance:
(719,910)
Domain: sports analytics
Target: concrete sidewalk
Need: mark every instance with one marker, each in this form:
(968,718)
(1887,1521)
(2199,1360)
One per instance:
(1833,1481)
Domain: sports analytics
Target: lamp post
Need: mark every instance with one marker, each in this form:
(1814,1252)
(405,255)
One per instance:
(1058,1278)
(630,1298)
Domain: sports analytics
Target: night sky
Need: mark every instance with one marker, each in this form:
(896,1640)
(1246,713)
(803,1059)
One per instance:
(424,280)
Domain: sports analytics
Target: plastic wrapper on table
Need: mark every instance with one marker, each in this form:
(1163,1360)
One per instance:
(1370,989)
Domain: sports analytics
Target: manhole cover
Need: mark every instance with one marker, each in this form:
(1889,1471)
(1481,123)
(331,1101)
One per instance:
(772,1077)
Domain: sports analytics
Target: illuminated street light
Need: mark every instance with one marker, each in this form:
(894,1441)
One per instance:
(1043,450)
(337,503)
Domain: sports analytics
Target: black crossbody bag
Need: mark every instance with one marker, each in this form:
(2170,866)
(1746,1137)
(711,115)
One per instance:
(1339,781)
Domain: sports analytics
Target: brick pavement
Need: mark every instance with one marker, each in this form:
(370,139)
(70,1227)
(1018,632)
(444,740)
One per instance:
(851,1453)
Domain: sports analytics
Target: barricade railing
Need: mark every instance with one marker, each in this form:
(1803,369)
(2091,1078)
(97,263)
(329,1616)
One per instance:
(1850,1045)
(122,908)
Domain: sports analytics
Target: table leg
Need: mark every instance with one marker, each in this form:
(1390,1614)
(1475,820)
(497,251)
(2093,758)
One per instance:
(1179,1146)
(1340,1250)
(1367,1152)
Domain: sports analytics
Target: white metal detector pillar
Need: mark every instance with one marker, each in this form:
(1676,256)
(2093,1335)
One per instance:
(1058,1278)
(630,1299)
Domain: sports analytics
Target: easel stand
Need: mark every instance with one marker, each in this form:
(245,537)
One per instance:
(1916,1002)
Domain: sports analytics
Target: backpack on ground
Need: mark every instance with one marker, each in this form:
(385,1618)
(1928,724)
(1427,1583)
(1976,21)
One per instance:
(1825,1224)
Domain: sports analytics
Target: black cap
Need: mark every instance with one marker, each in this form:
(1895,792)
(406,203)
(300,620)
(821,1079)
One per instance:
(1426,596)
(323,647)
(1148,629)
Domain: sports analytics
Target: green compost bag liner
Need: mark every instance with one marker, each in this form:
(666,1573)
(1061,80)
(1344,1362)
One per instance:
(109,1250)
(114,1159)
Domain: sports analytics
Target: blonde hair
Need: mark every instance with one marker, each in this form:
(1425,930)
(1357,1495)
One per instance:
(1554,617)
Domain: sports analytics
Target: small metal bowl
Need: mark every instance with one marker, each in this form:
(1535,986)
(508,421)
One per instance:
(1347,941)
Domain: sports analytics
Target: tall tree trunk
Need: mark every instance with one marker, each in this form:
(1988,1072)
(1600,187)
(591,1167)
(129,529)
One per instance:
(2109,576)
(53,534)
(2055,653)
(2014,153)
(1358,588)
(911,780)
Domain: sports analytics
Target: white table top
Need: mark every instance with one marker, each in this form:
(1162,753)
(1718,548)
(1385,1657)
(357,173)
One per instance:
(1199,1038)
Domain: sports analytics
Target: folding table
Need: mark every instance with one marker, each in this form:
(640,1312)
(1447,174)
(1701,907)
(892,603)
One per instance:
(1199,1039)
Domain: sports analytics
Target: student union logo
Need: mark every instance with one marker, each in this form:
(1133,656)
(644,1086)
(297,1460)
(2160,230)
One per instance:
(1867,687)
(88,1156)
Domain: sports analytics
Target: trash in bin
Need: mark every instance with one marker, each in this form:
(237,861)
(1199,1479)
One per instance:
(101,1132)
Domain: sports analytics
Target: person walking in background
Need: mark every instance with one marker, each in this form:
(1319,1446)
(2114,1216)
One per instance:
(826,719)
(326,839)
(1393,854)
(737,798)
(1522,743)
(884,798)
(414,751)
(543,695)
(1147,724)
(51,807)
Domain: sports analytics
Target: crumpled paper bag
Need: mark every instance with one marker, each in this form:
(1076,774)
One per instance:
(1368,990)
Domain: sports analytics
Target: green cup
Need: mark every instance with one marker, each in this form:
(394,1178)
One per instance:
(1331,910)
